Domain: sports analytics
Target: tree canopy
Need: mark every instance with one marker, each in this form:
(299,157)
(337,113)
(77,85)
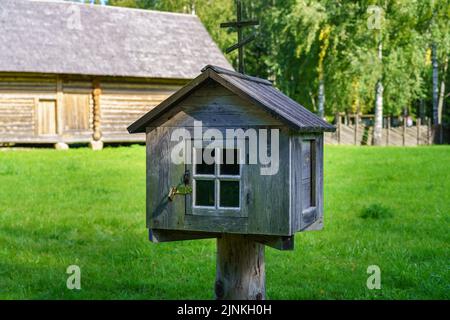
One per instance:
(302,43)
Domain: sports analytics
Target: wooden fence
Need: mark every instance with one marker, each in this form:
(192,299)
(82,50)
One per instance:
(355,129)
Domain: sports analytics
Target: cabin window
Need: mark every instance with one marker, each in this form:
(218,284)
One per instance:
(216,179)
(308,174)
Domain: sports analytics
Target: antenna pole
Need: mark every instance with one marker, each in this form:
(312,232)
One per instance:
(239,32)
(239,24)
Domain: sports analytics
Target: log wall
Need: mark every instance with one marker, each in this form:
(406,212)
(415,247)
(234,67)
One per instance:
(18,103)
(26,99)
(122,104)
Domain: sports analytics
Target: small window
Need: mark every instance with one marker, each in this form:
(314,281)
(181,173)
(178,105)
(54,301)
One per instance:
(229,162)
(229,194)
(217,184)
(308,175)
(201,167)
(205,191)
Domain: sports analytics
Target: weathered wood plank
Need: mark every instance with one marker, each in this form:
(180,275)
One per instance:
(306,199)
(276,242)
(270,214)
(158,184)
(161,235)
(216,107)
(216,224)
(46,117)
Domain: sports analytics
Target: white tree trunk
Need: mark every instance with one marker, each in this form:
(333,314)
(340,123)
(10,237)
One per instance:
(442,92)
(321,110)
(240,269)
(378,125)
(435,85)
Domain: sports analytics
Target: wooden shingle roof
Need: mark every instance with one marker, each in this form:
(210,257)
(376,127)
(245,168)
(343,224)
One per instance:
(72,38)
(259,91)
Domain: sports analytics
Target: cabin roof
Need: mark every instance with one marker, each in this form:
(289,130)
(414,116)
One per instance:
(62,37)
(259,91)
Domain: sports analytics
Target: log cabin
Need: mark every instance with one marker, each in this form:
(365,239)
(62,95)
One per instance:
(74,73)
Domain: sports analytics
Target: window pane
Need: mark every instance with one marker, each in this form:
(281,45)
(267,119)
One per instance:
(229,194)
(204,193)
(229,162)
(200,166)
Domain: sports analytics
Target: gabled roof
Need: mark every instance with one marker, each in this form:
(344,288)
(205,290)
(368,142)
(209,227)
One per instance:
(259,91)
(61,37)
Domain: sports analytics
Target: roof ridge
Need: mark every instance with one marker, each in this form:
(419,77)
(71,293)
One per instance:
(236,74)
(110,7)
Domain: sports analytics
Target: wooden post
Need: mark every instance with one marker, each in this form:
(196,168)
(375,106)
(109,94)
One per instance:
(388,130)
(356,129)
(59,105)
(240,269)
(338,128)
(418,122)
(96,143)
(61,145)
(404,131)
(428,130)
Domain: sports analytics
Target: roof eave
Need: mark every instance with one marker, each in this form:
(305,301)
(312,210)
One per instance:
(316,129)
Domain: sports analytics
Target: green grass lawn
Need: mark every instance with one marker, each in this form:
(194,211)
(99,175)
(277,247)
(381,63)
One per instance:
(88,208)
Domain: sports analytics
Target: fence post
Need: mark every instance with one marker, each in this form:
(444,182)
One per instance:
(356,128)
(418,130)
(339,128)
(428,130)
(388,130)
(404,131)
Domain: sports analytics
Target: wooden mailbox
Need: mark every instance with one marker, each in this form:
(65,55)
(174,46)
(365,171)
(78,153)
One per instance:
(196,199)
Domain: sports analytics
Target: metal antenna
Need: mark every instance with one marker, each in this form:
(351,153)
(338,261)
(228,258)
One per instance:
(239,25)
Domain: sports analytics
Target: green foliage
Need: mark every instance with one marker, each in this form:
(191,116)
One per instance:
(288,47)
(88,208)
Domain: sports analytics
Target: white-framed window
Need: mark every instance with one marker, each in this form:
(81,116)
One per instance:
(216,184)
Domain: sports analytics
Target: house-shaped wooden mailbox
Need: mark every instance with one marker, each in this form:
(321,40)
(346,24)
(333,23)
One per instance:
(196,199)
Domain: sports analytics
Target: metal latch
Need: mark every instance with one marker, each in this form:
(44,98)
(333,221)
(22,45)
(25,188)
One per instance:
(182,189)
